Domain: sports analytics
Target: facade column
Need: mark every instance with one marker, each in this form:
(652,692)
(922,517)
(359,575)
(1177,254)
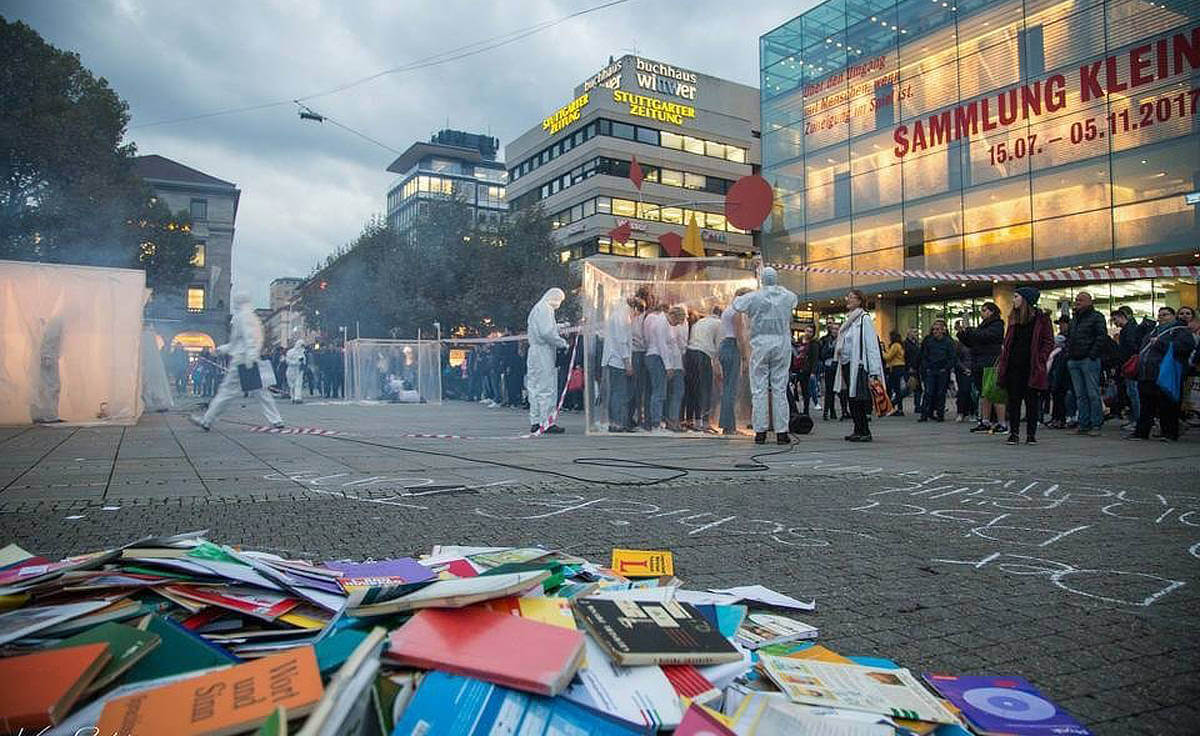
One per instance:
(885,317)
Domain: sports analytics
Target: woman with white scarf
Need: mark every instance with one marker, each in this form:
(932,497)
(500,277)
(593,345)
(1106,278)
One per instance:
(857,358)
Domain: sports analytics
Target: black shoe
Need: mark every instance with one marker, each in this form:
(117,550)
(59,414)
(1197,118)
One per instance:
(860,438)
(533,428)
(982,427)
(1013,439)
(554,429)
(844,417)
(923,419)
(781,438)
(760,438)
(1030,441)
(939,418)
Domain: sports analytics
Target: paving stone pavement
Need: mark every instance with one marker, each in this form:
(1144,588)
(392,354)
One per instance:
(1073,562)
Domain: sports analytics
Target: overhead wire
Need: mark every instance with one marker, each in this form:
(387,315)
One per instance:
(444,57)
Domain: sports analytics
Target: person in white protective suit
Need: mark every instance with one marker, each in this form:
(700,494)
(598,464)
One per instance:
(770,312)
(243,348)
(541,374)
(295,371)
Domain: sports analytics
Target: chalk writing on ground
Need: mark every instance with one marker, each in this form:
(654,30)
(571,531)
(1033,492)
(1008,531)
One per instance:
(697,522)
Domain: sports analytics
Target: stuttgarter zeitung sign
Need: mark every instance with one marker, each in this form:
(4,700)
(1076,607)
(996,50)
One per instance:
(565,115)
(654,108)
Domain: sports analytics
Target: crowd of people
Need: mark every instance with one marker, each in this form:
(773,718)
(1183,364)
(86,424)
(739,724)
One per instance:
(1026,371)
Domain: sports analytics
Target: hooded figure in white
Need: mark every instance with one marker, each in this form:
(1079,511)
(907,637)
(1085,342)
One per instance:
(541,375)
(295,371)
(45,400)
(770,312)
(243,348)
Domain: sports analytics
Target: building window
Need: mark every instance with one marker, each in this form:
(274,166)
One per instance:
(624,131)
(199,209)
(1032,49)
(198,255)
(195,298)
(841,194)
(647,135)
(885,114)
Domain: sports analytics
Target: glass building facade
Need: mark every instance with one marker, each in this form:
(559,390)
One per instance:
(980,136)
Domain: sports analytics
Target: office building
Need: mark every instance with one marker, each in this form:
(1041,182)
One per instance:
(452,164)
(983,136)
(693,136)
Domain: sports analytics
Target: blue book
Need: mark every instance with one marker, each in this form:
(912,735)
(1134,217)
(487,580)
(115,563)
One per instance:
(481,708)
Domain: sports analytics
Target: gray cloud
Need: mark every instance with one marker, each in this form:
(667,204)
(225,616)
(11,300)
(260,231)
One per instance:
(308,188)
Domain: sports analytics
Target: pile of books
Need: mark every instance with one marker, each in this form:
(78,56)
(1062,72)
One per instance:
(179,635)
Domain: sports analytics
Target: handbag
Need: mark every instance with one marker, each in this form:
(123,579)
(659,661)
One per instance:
(879,394)
(1170,374)
(991,391)
(1130,368)
(249,377)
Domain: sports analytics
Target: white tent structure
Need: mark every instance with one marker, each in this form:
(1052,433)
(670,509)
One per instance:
(70,343)
(401,371)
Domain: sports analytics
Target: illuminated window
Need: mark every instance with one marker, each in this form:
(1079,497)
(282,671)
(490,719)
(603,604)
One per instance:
(673,215)
(647,211)
(671,140)
(198,255)
(195,299)
(693,145)
(671,178)
(624,207)
(734,153)
(693,181)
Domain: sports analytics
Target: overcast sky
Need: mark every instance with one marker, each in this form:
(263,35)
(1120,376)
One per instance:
(308,188)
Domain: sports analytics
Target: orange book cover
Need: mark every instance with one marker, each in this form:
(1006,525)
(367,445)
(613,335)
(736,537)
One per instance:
(226,702)
(40,688)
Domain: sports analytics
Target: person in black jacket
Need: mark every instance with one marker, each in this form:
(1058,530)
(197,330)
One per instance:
(938,356)
(1128,343)
(825,348)
(912,369)
(985,342)
(1086,341)
(1155,401)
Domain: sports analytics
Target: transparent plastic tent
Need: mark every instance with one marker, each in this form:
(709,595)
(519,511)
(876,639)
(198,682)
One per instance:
(399,371)
(70,343)
(697,284)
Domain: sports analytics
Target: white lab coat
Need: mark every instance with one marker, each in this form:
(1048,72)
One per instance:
(770,312)
(295,370)
(541,375)
(618,338)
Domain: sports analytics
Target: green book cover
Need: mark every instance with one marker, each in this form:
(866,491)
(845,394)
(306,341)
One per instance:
(126,644)
(275,725)
(181,651)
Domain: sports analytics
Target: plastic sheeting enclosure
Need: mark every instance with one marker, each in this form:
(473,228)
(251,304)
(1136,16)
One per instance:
(404,371)
(70,343)
(696,284)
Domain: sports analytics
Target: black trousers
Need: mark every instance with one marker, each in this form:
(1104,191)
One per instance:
(697,378)
(859,407)
(827,408)
(1155,403)
(1019,394)
(805,388)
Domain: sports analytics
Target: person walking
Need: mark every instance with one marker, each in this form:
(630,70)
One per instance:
(985,342)
(858,360)
(243,349)
(894,364)
(770,312)
(1157,403)
(1086,341)
(1022,368)
(730,356)
(938,356)
(825,350)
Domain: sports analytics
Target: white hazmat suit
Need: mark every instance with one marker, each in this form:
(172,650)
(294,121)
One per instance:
(770,312)
(541,375)
(243,348)
(295,371)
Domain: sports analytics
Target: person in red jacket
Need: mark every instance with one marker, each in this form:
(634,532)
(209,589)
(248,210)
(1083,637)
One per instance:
(1021,368)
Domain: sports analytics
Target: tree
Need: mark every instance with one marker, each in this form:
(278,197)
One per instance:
(68,193)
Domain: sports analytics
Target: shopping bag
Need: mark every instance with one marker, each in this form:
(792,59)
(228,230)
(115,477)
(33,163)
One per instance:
(1130,368)
(879,395)
(266,374)
(249,377)
(1170,374)
(991,391)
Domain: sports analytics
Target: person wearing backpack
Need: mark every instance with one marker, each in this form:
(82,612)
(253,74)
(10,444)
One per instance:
(1172,337)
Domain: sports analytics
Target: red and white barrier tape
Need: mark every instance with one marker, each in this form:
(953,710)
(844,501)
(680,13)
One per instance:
(1116,273)
(268,429)
(565,329)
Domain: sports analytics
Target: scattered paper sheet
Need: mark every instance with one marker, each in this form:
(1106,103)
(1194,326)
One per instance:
(703,598)
(766,596)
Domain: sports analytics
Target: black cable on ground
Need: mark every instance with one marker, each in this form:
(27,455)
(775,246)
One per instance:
(678,471)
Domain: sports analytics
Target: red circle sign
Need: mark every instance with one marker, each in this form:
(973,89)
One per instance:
(748,202)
